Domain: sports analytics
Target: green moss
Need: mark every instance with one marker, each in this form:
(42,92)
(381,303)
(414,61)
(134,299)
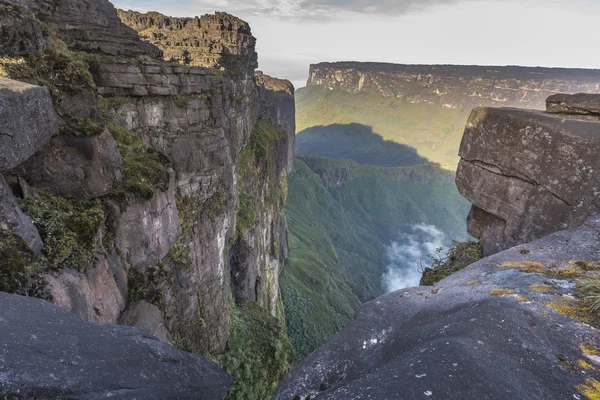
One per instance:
(179,253)
(20,273)
(57,68)
(143,171)
(217,204)
(458,257)
(264,134)
(68,228)
(189,210)
(245,214)
(180,100)
(147,284)
(258,352)
(81,127)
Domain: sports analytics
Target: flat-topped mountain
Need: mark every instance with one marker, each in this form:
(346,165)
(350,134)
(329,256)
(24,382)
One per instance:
(455,86)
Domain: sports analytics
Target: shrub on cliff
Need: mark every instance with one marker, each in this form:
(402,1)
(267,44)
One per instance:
(258,352)
(444,264)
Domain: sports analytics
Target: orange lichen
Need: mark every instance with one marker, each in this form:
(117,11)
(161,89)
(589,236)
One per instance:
(574,309)
(589,349)
(477,282)
(522,299)
(528,267)
(591,389)
(586,365)
(585,265)
(501,292)
(541,288)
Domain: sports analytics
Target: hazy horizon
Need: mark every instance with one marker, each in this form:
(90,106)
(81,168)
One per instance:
(292,34)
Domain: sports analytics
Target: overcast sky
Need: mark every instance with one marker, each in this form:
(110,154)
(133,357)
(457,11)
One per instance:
(295,33)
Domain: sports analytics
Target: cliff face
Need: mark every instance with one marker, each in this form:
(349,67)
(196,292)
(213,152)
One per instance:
(453,86)
(215,41)
(142,192)
(519,323)
(530,173)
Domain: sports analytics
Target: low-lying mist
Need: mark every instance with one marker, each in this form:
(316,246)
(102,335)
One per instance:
(409,253)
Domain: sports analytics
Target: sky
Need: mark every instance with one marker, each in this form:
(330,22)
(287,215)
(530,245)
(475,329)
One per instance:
(292,34)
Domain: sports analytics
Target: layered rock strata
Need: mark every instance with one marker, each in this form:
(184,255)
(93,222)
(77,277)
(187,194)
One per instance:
(530,173)
(455,86)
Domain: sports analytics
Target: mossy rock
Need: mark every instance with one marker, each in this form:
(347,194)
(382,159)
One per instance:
(68,228)
(258,353)
(82,127)
(458,257)
(144,171)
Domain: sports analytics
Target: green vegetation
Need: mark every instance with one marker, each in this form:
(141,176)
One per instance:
(81,127)
(258,352)
(57,68)
(264,134)
(68,228)
(444,264)
(245,214)
(145,284)
(435,132)
(341,215)
(19,273)
(588,288)
(143,171)
(179,253)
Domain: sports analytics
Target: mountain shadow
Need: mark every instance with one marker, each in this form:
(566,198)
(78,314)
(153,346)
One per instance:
(356,142)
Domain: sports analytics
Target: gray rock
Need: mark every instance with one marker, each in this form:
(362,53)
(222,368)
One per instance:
(49,353)
(91,25)
(16,221)
(528,174)
(146,317)
(76,167)
(21,33)
(458,340)
(27,121)
(145,230)
(582,103)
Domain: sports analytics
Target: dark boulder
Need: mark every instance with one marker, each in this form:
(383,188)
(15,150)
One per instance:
(503,328)
(49,353)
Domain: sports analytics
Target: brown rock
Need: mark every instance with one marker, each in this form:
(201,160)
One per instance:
(582,103)
(76,167)
(147,317)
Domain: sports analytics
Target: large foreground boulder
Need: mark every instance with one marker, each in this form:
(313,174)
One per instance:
(27,121)
(49,353)
(529,173)
(507,327)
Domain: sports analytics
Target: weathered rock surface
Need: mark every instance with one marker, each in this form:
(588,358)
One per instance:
(219,41)
(528,174)
(27,121)
(92,26)
(581,103)
(459,341)
(145,231)
(454,86)
(20,34)
(146,317)
(12,218)
(98,295)
(76,167)
(49,353)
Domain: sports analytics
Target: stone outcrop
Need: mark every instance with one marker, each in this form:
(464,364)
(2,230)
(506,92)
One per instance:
(578,104)
(529,173)
(49,353)
(92,26)
(27,121)
(76,167)
(506,327)
(454,86)
(17,223)
(219,41)
(20,33)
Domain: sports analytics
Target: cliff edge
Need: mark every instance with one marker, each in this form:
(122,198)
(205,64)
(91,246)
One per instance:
(519,324)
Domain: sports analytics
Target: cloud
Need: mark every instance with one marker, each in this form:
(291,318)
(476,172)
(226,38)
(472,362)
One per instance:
(300,9)
(409,253)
